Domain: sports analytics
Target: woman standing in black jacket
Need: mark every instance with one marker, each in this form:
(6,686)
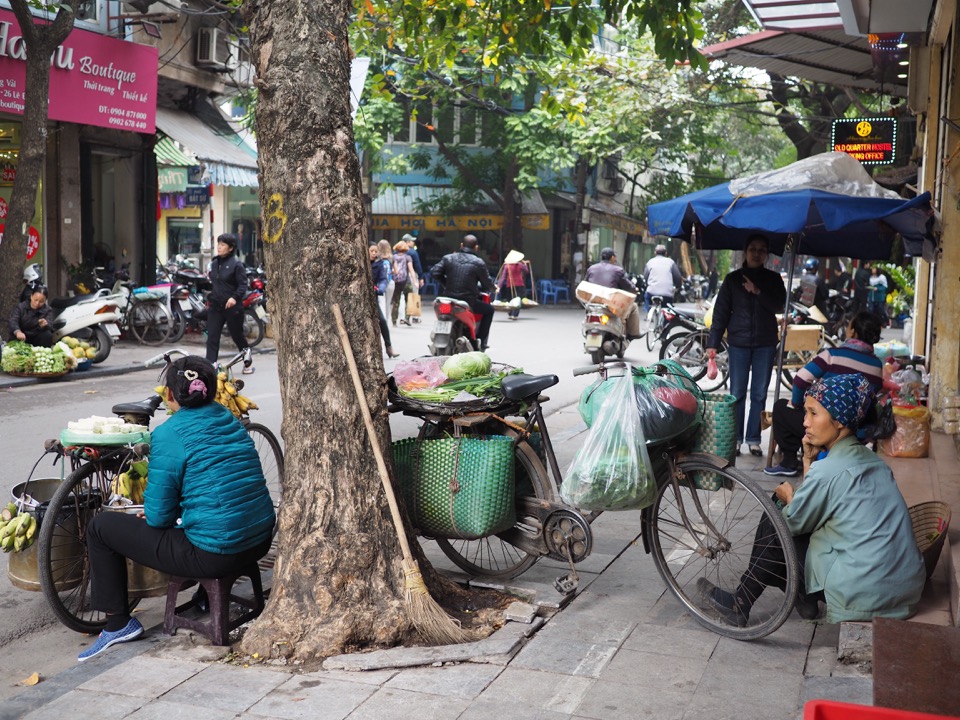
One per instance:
(229,278)
(746,310)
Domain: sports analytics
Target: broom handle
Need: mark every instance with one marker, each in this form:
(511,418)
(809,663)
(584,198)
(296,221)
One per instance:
(371,433)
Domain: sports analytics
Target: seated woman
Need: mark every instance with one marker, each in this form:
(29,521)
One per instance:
(207,511)
(30,320)
(855,355)
(854,539)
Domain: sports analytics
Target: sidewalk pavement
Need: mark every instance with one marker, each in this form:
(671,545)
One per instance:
(621,647)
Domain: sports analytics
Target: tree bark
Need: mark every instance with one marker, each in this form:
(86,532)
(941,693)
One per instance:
(40,42)
(338,581)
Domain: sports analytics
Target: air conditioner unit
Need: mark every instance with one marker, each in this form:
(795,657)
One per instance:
(616,184)
(146,7)
(213,50)
(610,169)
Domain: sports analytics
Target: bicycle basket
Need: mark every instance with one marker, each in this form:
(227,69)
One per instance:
(491,401)
(717,435)
(458,487)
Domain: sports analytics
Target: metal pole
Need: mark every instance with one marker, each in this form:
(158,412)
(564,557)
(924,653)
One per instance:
(793,241)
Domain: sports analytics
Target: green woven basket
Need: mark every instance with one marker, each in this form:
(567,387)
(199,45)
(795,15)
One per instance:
(718,434)
(457,487)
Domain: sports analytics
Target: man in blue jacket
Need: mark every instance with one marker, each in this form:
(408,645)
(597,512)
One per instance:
(411,242)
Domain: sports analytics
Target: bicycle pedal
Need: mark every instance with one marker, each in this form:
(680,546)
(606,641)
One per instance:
(565,584)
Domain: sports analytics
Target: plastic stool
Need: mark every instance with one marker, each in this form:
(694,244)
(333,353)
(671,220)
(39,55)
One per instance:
(218,627)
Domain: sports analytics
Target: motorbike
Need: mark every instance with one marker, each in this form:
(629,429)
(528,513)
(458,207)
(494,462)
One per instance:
(603,333)
(455,329)
(91,318)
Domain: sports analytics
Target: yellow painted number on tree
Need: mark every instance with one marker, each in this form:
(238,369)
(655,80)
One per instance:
(276,219)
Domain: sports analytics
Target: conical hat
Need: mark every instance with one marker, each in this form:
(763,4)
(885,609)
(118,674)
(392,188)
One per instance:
(513,257)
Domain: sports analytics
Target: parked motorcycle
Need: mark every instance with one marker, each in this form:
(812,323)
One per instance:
(455,329)
(91,318)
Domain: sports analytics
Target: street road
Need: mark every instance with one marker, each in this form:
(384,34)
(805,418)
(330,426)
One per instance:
(542,341)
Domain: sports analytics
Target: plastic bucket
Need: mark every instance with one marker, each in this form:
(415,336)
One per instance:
(142,581)
(23,570)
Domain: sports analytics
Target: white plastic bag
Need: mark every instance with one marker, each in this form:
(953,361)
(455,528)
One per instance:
(612,471)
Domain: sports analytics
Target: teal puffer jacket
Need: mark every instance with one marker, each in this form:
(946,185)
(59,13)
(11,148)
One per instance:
(205,470)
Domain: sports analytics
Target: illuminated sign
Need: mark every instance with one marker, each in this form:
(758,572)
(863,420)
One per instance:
(872,141)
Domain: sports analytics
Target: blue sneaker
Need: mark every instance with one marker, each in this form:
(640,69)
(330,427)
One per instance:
(132,631)
(781,470)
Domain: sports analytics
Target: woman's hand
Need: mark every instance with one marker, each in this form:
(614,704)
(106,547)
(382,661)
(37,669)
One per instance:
(784,492)
(750,287)
(712,353)
(19,335)
(810,451)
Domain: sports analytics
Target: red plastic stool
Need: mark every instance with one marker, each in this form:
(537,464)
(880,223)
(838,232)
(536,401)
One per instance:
(218,627)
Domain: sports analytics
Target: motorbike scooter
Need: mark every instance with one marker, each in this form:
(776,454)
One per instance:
(603,333)
(455,330)
(91,318)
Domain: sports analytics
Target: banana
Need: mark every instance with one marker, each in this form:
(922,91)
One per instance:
(18,543)
(242,403)
(32,530)
(7,531)
(6,515)
(7,543)
(160,390)
(22,524)
(231,388)
(12,507)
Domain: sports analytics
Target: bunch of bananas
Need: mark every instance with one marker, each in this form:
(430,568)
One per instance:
(17,529)
(131,483)
(229,396)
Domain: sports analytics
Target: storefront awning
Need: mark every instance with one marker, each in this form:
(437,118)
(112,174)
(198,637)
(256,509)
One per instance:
(173,166)
(222,152)
(397,208)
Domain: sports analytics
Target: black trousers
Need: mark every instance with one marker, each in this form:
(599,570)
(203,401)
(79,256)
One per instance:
(384,327)
(788,431)
(112,537)
(39,338)
(485,310)
(767,567)
(216,317)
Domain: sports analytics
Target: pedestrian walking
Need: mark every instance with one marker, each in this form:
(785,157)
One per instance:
(229,278)
(386,257)
(404,278)
(512,280)
(380,285)
(414,254)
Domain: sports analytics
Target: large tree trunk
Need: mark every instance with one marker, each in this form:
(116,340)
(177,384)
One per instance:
(40,42)
(338,580)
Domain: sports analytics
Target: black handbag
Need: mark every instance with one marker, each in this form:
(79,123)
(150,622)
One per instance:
(880,422)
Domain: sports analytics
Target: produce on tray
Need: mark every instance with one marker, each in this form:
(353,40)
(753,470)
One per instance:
(17,528)
(21,357)
(470,378)
(80,349)
(96,425)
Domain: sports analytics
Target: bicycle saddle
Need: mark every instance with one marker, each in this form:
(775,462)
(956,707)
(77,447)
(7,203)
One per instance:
(517,387)
(140,407)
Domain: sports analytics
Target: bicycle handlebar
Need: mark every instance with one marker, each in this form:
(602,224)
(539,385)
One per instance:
(165,356)
(586,370)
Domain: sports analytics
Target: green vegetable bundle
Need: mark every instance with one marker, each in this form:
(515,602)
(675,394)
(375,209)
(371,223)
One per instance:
(467,365)
(21,357)
(483,386)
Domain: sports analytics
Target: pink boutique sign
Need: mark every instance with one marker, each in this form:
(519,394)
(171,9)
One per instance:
(94,80)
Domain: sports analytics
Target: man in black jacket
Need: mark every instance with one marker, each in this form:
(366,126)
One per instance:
(229,278)
(462,274)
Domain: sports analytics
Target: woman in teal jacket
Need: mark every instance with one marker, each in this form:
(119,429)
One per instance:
(207,511)
(851,527)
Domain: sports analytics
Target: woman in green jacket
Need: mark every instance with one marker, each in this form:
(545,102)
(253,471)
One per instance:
(851,526)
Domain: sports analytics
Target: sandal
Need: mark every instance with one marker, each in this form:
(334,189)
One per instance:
(756,451)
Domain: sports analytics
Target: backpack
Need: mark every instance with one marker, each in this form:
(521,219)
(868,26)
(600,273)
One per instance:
(400,267)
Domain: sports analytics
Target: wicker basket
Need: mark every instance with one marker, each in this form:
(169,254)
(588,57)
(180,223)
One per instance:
(930,523)
(718,434)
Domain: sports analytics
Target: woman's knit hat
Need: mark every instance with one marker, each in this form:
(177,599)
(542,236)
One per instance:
(846,397)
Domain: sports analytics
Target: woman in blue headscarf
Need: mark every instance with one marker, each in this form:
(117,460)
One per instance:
(851,527)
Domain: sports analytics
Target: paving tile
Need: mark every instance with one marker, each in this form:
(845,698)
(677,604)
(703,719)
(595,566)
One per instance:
(365,677)
(534,689)
(144,677)
(389,704)
(647,672)
(857,690)
(314,697)
(588,627)
(514,710)
(84,704)
(226,687)
(461,681)
(728,684)
(162,710)
(740,708)
(562,655)
(695,642)
(774,652)
(616,701)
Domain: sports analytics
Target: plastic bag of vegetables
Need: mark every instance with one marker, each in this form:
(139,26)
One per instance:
(612,469)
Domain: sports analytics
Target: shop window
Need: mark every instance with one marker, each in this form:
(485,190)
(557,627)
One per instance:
(453,124)
(184,236)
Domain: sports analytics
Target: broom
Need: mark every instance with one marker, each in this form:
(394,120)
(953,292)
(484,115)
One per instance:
(430,620)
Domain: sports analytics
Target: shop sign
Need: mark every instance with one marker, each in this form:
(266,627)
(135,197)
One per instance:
(172,179)
(439,223)
(94,79)
(872,141)
(618,222)
(198,195)
(195,174)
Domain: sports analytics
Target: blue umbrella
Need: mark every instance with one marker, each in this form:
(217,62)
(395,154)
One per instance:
(820,222)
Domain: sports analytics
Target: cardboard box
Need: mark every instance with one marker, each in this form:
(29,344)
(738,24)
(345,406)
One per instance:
(803,338)
(615,300)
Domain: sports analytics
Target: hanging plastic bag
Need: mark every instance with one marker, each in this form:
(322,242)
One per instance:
(612,471)
(912,436)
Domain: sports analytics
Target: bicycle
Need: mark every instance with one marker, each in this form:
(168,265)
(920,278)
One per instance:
(692,533)
(63,564)
(689,349)
(145,316)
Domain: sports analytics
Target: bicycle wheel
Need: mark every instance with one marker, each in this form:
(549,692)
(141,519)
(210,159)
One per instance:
(179,326)
(654,327)
(716,544)
(690,350)
(253,327)
(493,556)
(63,563)
(798,358)
(271,459)
(150,322)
